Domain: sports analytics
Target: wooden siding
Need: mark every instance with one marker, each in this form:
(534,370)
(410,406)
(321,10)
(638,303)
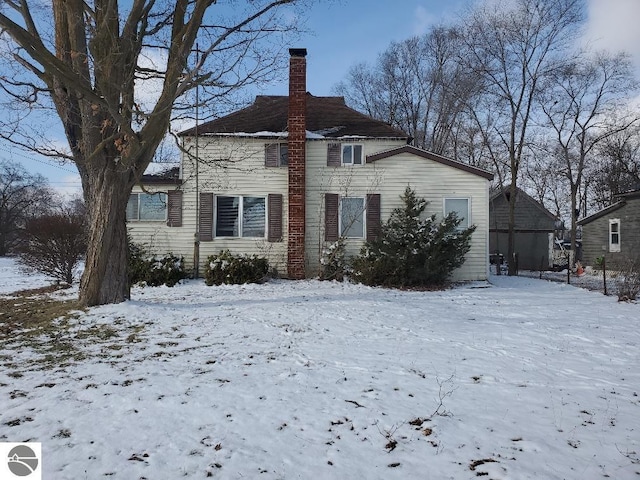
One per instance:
(528,214)
(230,166)
(389,177)
(533,224)
(236,166)
(595,235)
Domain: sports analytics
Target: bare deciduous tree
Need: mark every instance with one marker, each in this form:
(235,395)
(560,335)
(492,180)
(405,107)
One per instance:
(22,196)
(94,67)
(617,168)
(513,45)
(55,244)
(580,101)
(417,86)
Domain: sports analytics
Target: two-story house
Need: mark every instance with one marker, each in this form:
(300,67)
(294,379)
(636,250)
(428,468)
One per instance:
(289,175)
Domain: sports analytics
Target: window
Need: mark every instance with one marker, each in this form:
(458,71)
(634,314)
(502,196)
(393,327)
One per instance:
(614,235)
(459,206)
(352,217)
(351,154)
(240,216)
(147,207)
(283,154)
(276,155)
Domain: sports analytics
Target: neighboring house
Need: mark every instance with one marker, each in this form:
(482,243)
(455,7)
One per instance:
(534,230)
(613,232)
(289,175)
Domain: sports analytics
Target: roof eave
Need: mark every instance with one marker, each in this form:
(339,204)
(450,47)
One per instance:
(430,156)
(601,213)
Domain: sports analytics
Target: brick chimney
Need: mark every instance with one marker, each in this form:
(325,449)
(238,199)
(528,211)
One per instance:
(297,127)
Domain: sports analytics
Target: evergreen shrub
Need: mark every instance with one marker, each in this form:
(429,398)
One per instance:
(154,270)
(226,268)
(413,251)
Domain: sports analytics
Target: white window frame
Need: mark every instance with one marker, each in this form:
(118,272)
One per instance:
(350,160)
(466,219)
(614,246)
(344,229)
(162,196)
(240,219)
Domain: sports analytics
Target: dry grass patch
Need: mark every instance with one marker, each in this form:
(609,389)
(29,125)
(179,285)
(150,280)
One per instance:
(30,320)
(29,313)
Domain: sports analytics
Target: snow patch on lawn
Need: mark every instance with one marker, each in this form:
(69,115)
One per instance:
(514,379)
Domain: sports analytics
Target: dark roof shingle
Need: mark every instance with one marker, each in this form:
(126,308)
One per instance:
(326,116)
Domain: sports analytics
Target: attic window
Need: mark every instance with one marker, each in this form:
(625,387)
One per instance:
(351,154)
(276,155)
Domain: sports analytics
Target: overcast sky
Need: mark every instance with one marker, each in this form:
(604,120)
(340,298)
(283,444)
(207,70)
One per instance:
(346,32)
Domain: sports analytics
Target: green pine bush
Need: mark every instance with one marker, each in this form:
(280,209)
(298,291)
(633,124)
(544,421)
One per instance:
(413,251)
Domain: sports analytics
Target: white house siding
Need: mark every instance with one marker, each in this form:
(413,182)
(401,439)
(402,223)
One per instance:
(389,177)
(354,181)
(232,166)
(155,235)
(244,173)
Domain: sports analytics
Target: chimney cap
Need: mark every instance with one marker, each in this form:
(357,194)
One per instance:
(298,52)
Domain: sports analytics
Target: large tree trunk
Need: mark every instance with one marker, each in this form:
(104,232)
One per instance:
(106,277)
(92,76)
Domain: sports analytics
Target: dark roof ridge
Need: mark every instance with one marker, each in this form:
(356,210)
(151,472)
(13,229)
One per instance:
(269,113)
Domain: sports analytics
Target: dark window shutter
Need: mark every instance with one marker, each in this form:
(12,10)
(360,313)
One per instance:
(334,152)
(331,202)
(174,208)
(271,155)
(275,217)
(206,217)
(374,225)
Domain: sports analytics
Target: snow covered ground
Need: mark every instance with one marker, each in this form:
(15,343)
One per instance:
(516,379)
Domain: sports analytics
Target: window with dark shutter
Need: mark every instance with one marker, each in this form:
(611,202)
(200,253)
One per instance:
(276,155)
(331,205)
(374,225)
(275,217)
(352,223)
(174,208)
(334,153)
(206,217)
(271,155)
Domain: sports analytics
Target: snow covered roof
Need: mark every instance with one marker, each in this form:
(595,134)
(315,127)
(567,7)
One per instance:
(161,174)
(327,117)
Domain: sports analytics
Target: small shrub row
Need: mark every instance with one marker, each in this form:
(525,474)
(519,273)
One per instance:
(226,268)
(154,270)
